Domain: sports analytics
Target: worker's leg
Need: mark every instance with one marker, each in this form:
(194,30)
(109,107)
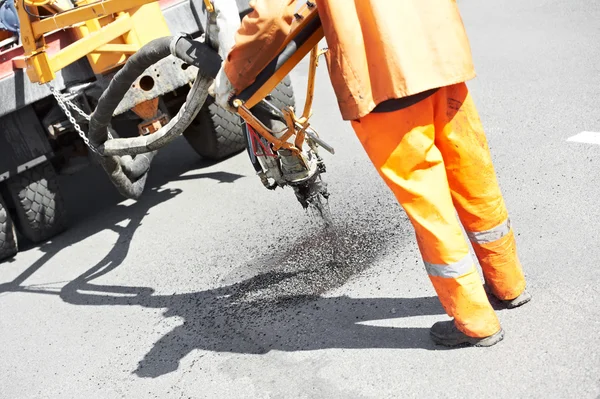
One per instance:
(477,197)
(401,146)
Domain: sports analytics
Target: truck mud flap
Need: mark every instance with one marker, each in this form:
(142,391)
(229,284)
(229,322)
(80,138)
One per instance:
(23,143)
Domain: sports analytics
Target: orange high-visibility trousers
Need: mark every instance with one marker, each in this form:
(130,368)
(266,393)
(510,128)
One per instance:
(435,158)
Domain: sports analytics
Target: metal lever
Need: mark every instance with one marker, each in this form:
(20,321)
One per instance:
(313,136)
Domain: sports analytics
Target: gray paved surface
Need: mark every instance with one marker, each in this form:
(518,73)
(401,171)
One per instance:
(199,290)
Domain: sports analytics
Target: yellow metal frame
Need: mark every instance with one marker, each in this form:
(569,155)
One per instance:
(296,126)
(108,32)
(111,30)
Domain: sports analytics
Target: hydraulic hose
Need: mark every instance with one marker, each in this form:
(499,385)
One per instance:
(192,52)
(152,142)
(147,56)
(128,173)
(135,168)
(125,185)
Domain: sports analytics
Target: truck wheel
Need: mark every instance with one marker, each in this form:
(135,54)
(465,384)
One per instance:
(8,236)
(216,133)
(283,94)
(39,207)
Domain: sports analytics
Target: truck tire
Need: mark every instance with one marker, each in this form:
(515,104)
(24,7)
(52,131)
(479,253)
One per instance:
(8,236)
(283,94)
(38,203)
(216,134)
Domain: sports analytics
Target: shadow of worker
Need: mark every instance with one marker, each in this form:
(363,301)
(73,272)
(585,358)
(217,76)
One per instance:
(285,306)
(252,318)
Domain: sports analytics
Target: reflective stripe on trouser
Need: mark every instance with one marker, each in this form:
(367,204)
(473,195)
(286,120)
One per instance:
(497,254)
(477,198)
(403,147)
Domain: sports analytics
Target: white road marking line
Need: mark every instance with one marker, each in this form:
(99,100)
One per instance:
(586,137)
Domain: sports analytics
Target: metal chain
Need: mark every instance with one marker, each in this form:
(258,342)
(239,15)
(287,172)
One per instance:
(77,109)
(64,104)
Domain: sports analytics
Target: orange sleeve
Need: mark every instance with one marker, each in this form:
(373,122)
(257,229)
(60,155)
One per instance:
(261,34)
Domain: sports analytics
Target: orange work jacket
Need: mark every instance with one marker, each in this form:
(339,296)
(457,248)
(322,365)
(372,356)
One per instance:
(378,49)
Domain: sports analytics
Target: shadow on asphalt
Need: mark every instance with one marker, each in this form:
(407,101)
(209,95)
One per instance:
(89,194)
(282,308)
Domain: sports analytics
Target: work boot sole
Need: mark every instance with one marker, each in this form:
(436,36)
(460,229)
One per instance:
(469,341)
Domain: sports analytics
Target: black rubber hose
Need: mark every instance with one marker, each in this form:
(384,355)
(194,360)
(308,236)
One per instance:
(124,184)
(143,59)
(136,167)
(129,174)
(208,62)
(163,136)
(198,54)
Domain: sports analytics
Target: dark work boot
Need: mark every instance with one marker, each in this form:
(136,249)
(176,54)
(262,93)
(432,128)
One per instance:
(510,303)
(446,333)
(518,301)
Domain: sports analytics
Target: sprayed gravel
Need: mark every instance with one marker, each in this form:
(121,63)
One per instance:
(284,306)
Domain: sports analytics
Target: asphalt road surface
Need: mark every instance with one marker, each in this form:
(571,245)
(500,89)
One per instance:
(212,286)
